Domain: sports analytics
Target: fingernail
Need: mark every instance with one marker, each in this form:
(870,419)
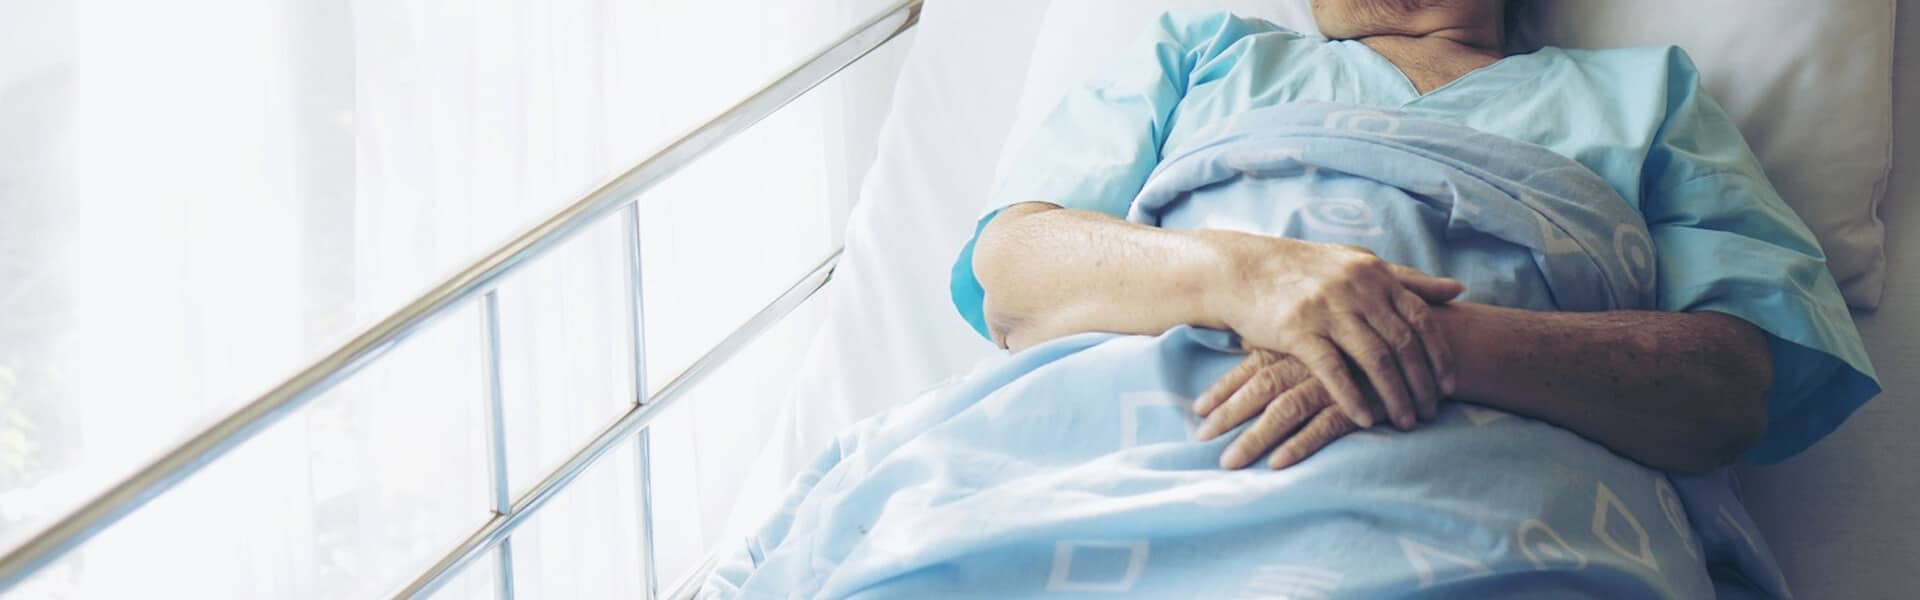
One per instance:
(1404,422)
(1447,384)
(1280,462)
(1364,420)
(1232,459)
(1205,432)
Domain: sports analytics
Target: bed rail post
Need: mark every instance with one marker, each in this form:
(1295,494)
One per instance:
(637,317)
(500,526)
(496,432)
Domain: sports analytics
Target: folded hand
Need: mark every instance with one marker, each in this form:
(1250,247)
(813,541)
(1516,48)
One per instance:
(1294,411)
(1331,305)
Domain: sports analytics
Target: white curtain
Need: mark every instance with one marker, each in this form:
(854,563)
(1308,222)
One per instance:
(198,196)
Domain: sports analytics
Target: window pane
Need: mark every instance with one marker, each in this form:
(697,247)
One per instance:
(586,542)
(400,461)
(349,498)
(566,362)
(478,581)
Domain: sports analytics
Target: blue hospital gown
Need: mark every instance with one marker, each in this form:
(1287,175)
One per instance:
(1637,117)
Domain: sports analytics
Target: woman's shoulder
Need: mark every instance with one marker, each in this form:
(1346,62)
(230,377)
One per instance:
(1660,61)
(1657,73)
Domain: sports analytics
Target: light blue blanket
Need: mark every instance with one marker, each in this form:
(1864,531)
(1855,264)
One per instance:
(1068,469)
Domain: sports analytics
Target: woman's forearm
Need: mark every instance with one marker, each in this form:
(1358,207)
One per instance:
(1674,391)
(1049,272)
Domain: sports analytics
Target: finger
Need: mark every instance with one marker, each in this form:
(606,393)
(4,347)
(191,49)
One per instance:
(1396,328)
(1325,427)
(1434,290)
(1323,358)
(1280,418)
(1240,406)
(1259,391)
(1434,345)
(1232,380)
(1377,361)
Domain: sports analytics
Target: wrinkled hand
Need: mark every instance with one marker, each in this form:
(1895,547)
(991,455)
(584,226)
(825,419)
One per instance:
(1327,304)
(1295,411)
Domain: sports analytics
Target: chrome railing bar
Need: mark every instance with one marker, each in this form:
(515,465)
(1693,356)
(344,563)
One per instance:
(643,470)
(505,579)
(500,526)
(689,586)
(215,441)
(649,559)
(496,430)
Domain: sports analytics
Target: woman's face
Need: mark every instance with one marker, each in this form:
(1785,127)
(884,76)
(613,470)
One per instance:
(1349,19)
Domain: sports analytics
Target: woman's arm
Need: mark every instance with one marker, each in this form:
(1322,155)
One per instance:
(1050,272)
(1675,391)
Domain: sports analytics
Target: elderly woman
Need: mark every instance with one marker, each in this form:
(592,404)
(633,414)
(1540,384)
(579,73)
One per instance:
(1561,277)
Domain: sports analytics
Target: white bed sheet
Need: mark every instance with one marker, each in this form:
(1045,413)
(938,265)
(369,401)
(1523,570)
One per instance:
(1841,517)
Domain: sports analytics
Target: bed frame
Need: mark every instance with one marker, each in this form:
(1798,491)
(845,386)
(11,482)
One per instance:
(480,280)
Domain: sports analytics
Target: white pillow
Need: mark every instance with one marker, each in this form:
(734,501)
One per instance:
(891,329)
(1810,84)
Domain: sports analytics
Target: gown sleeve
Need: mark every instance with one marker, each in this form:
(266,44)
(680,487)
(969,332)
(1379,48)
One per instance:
(1727,243)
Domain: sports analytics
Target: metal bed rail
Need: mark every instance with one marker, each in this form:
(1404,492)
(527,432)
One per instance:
(480,280)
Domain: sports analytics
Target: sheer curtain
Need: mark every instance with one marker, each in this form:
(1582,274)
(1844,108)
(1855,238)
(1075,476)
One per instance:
(198,196)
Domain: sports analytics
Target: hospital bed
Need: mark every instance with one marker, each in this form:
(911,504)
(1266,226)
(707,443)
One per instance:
(1839,517)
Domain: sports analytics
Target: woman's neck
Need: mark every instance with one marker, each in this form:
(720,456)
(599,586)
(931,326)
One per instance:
(1459,39)
(1429,62)
(1477,25)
